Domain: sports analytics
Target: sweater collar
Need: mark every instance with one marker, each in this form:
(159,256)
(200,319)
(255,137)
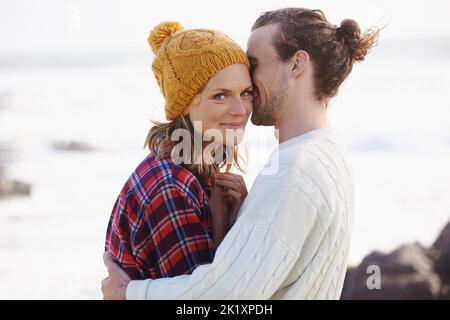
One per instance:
(304,137)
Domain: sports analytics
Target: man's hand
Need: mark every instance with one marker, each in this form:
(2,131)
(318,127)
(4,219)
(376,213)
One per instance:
(114,287)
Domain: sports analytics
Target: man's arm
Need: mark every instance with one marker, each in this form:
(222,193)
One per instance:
(256,255)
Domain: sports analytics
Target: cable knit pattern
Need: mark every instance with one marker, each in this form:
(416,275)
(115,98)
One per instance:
(292,236)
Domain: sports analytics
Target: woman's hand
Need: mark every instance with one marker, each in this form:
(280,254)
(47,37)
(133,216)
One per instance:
(234,191)
(219,213)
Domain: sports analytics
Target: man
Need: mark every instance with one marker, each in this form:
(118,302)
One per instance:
(292,236)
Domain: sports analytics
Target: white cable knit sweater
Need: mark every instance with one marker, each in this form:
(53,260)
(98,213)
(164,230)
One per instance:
(292,235)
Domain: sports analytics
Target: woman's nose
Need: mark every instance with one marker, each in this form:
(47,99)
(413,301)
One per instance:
(238,108)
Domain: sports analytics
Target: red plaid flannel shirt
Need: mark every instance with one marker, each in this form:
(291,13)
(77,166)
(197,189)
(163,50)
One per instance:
(160,225)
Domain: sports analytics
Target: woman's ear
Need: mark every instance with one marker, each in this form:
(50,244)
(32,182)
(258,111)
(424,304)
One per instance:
(299,62)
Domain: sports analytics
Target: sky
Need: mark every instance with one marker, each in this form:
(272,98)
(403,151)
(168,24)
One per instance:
(87,26)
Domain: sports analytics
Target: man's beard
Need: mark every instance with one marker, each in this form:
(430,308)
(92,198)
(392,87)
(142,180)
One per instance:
(264,115)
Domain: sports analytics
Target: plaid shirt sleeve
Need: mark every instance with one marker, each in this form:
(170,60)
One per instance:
(171,236)
(182,241)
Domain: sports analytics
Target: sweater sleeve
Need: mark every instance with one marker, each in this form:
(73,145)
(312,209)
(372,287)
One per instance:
(256,255)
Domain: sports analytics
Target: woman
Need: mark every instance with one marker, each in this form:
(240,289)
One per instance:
(176,207)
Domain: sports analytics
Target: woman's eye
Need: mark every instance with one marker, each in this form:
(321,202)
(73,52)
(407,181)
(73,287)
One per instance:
(219,96)
(247,93)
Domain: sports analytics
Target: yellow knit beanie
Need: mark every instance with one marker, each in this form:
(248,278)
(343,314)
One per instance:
(186,59)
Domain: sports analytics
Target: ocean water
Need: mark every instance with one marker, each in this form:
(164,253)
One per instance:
(393,114)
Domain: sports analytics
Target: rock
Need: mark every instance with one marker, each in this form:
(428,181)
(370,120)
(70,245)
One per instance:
(71,146)
(13,187)
(441,251)
(10,187)
(442,242)
(406,273)
(348,288)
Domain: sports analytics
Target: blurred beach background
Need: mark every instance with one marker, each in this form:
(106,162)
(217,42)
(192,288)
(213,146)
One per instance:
(77,95)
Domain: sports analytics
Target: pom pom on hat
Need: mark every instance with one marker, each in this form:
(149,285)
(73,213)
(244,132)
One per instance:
(161,32)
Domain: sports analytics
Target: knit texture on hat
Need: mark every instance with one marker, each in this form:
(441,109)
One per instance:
(186,59)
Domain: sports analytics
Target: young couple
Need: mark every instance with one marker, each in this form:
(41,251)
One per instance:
(188,230)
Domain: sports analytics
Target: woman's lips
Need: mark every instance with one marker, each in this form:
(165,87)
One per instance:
(233,125)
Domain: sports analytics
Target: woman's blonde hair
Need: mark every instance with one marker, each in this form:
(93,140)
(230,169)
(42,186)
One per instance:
(159,143)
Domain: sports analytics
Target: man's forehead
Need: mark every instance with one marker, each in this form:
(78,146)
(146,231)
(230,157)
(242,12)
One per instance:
(259,44)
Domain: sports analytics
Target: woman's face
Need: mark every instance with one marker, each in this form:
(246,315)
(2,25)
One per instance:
(224,104)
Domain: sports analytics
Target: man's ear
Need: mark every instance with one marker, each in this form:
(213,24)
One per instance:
(299,62)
